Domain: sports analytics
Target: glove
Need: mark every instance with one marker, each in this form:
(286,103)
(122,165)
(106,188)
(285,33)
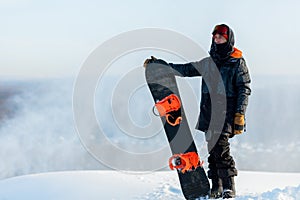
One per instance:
(239,123)
(149,60)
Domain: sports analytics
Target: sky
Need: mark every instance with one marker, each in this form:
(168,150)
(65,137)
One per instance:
(54,38)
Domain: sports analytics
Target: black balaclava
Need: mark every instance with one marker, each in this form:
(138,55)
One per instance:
(221,52)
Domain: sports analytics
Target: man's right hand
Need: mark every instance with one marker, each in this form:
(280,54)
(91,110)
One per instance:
(239,123)
(149,60)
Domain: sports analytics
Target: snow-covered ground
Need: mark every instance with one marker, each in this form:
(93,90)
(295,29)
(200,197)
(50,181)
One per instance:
(113,185)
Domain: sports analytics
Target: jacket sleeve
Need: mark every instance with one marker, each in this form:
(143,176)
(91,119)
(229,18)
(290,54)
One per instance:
(187,70)
(243,86)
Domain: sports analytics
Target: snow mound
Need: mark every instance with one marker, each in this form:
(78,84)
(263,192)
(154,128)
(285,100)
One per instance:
(92,185)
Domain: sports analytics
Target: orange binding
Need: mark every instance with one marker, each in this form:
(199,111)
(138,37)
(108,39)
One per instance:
(185,162)
(173,120)
(167,105)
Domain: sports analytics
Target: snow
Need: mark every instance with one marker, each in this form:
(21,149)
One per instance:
(116,185)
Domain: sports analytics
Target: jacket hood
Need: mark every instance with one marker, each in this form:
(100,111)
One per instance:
(230,36)
(221,52)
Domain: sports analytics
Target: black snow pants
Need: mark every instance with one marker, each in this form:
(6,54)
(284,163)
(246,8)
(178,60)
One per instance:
(220,162)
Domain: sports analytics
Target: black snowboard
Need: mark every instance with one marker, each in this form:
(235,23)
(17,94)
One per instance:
(162,83)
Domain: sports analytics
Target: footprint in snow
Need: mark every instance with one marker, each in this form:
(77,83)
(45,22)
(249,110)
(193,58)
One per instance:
(171,189)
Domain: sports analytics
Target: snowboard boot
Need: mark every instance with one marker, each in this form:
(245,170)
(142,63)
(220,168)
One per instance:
(216,190)
(228,187)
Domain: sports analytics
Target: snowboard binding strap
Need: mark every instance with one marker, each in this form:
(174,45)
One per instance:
(167,107)
(185,162)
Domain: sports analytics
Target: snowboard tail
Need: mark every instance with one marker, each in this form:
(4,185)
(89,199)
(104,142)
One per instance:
(194,184)
(163,87)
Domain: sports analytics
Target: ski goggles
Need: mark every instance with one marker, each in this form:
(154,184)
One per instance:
(222,30)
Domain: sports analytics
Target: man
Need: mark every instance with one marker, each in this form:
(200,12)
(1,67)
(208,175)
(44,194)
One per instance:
(224,99)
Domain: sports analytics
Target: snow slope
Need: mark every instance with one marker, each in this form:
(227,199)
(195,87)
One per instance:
(105,185)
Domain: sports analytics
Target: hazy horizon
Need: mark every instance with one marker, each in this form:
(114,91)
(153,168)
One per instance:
(38,134)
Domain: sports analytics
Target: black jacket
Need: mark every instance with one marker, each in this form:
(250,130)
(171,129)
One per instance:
(225,87)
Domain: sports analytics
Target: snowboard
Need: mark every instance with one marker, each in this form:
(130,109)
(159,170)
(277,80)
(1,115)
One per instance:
(162,84)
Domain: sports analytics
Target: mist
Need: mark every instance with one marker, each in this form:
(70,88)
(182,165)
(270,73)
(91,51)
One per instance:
(38,135)
(38,132)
